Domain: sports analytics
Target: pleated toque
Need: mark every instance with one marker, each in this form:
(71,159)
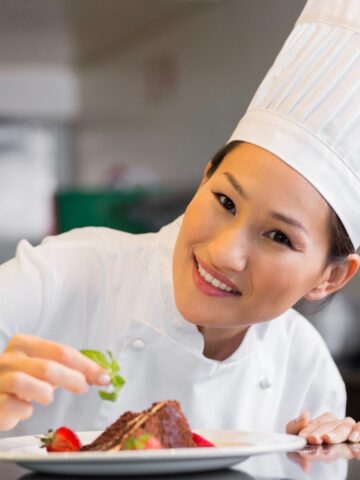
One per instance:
(307,109)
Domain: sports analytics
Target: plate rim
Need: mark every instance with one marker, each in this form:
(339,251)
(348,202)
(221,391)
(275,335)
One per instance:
(285,442)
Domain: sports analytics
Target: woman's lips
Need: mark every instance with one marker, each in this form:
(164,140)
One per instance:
(207,287)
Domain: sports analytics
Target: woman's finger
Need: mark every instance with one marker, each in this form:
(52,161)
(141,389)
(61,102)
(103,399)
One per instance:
(316,422)
(26,387)
(354,435)
(32,346)
(314,433)
(295,426)
(49,371)
(12,411)
(340,433)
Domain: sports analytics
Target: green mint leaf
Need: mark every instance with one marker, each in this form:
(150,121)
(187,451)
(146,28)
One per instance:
(97,357)
(137,443)
(117,381)
(111,396)
(112,367)
(129,443)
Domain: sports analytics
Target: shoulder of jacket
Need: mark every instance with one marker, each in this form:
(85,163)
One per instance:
(103,238)
(297,330)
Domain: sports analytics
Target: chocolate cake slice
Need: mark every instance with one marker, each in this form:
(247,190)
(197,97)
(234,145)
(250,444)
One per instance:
(163,420)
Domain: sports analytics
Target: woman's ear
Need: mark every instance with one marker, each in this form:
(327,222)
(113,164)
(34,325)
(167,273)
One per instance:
(336,276)
(205,174)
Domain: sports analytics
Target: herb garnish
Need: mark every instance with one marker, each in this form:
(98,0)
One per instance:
(112,368)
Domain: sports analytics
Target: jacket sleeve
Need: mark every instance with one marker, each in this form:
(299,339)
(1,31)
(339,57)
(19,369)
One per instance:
(326,389)
(58,290)
(24,291)
(312,380)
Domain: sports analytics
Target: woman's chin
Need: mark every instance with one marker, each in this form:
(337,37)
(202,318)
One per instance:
(200,319)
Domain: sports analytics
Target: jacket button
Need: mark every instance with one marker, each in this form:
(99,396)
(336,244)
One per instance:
(265,383)
(138,344)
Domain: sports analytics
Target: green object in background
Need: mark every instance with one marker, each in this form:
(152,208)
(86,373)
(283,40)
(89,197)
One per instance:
(107,208)
(137,211)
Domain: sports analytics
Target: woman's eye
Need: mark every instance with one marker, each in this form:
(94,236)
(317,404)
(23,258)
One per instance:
(226,202)
(280,237)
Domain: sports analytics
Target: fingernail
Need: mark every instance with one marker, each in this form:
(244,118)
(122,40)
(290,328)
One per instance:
(104,379)
(314,439)
(328,437)
(354,437)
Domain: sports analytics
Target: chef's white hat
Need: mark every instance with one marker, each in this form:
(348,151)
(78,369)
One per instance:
(307,109)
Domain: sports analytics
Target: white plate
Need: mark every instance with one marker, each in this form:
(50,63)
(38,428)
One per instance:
(231,447)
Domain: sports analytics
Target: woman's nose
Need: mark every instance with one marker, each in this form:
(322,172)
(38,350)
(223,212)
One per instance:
(229,249)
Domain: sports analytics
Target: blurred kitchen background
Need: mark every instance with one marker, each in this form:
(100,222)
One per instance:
(110,109)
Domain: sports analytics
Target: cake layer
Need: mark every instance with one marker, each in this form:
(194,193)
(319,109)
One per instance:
(163,420)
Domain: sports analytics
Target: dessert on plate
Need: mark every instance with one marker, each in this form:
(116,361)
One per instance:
(163,425)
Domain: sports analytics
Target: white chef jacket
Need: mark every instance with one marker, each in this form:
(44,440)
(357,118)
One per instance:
(102,289)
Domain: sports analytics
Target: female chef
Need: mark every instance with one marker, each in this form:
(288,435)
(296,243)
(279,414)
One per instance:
(202,310)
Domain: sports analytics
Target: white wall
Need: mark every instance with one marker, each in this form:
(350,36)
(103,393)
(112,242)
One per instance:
(37,78)
(201,71)
(38,91)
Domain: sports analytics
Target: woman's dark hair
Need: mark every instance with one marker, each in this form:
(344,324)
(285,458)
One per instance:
(340,245)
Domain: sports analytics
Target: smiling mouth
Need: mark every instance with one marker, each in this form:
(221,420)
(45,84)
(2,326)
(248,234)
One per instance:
(212,280)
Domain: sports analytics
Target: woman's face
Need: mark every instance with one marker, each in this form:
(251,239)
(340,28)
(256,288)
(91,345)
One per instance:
(253,241)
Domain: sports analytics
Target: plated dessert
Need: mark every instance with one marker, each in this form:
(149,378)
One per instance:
(163,425)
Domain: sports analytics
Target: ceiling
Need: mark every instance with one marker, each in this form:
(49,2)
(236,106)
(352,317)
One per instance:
(81,31)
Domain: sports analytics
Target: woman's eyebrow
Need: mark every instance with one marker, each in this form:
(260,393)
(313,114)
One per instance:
(289,220)
(236,185)
(276,215)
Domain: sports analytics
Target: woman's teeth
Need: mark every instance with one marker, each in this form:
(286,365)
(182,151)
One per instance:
(213,281)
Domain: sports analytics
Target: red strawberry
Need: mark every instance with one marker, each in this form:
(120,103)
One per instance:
(201,441)
(152,443)
(62,440)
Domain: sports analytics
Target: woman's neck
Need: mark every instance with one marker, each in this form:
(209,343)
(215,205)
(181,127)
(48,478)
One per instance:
(220,343)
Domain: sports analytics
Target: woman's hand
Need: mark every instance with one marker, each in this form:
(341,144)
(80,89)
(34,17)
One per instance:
(325,429)
(32,368)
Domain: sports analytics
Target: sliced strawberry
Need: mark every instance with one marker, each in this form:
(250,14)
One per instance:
(62,440)
(201,441)
(142,442)
(153,443)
